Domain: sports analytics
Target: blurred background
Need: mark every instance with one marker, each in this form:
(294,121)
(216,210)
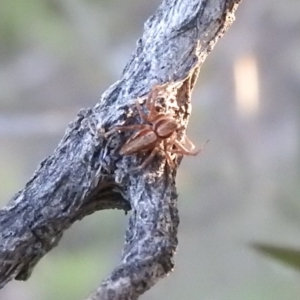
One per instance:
(59,56)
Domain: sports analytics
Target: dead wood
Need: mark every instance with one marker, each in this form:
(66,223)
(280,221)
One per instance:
(86,173)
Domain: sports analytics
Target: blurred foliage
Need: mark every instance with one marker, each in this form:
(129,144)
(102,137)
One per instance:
(69,275)
(25,21)
(289,256)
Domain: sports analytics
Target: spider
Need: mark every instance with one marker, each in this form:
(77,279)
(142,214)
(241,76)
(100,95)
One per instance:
(158,133)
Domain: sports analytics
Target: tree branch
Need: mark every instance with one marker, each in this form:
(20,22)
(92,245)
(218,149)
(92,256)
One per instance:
(86,172)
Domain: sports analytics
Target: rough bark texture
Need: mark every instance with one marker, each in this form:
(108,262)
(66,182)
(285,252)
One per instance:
(86,172)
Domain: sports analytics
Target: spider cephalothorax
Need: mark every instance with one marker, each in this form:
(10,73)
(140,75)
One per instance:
(158,133)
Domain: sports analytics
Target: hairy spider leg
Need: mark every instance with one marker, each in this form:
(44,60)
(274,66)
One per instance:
(183,150)
(142,128)
(147,160)
(124,128)
(141,113)
(163,147)
(131,147)
(169,156)
(155,150)
(168,144)
(170,159)
(189,142)
(150,103)
(152,95)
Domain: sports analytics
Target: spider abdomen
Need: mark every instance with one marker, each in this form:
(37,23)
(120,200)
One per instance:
(165,127)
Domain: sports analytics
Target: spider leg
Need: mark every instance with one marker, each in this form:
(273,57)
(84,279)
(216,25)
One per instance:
(123,128)
(151,95)
(147,160)
(150,102)
(141,113)
(189,142)
(170,159)
(167,146)
(183,150)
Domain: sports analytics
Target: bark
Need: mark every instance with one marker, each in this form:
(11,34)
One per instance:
(86,173)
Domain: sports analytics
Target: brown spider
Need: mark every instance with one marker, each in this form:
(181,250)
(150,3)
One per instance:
(160,133)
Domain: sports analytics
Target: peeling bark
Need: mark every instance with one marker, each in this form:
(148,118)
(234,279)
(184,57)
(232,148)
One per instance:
(86,172)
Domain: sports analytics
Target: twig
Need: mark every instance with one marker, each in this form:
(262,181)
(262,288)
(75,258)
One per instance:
(86,172)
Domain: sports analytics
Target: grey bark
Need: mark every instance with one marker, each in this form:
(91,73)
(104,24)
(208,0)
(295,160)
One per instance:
(86,172)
